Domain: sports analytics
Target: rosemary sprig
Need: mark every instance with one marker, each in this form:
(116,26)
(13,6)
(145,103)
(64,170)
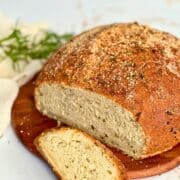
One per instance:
(19,47)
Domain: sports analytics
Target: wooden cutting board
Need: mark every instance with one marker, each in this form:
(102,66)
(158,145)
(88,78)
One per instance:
(28,123)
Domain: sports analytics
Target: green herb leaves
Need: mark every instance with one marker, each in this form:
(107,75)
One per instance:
(19,47)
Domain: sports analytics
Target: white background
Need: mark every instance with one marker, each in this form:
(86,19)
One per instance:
(16,163)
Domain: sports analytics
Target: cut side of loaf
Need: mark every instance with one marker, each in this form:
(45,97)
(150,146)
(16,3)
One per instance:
(75,155)
(94,114)
(120,83)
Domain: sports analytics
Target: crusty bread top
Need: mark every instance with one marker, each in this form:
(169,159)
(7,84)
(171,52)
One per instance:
(134,65)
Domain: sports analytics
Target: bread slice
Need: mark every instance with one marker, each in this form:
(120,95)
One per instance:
(74,154)
(119,83)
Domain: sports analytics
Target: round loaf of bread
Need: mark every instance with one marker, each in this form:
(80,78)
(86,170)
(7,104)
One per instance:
(120,83)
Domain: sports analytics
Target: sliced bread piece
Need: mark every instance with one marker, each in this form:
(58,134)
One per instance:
(74,154)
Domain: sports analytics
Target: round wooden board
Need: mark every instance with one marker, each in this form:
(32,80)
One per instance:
(28,123)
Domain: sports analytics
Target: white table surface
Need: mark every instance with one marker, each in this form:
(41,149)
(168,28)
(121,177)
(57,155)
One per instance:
(16,163)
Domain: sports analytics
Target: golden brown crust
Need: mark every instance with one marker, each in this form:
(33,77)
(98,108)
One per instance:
(120,167)
(39,149)
(134,65)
